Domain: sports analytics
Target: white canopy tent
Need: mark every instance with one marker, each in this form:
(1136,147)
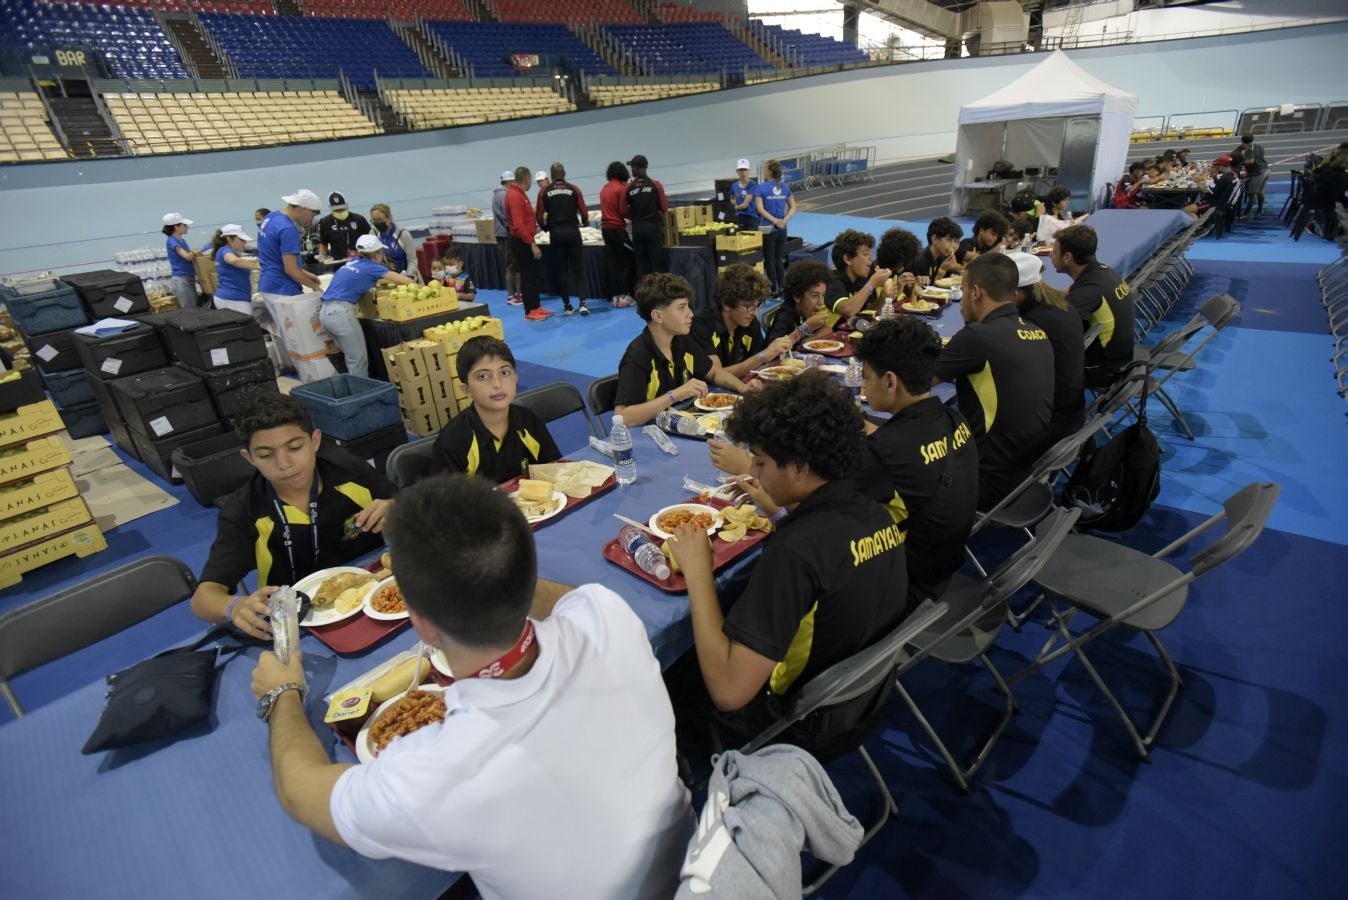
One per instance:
(1055,115)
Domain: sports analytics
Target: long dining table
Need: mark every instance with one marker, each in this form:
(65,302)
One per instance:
(198,816)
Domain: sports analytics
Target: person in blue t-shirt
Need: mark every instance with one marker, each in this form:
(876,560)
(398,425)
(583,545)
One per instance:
(278,247)
(338,311)
(400,251)
(181,256)
(745,196)
(233,270)
(776,206)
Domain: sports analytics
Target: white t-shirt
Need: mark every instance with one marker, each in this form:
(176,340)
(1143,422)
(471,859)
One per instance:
(560,783)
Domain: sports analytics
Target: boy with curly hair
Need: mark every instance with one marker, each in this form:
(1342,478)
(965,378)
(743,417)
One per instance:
(730,332)
(831,582)
(855,279)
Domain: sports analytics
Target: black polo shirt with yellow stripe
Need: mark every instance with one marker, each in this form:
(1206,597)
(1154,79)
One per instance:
(249,536)
(782,321)
(841,288)
(923,465)
(830,583)
(467,445)
(1002,368)
(1103,298)
(713,338)
(645,373)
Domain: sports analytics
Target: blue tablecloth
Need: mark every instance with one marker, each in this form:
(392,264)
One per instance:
(1127,237)
(199,817)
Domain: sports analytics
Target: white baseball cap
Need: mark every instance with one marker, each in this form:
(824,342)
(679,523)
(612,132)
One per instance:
(1030,266)
(507,175)
(304,197)
(235,231)
(742,164)
(176,219)
(540,175)
(368,243)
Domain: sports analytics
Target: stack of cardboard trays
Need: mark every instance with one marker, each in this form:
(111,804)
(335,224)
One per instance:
(451,337)
(423,374)
(678,218)
(745,248)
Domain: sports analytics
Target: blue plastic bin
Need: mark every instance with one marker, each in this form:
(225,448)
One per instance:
(70,388)
(42,306)
(348,406)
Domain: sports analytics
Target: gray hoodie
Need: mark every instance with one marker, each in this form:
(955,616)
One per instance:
(761,811)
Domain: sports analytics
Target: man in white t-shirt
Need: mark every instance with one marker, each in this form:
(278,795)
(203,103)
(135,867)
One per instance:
(554,772)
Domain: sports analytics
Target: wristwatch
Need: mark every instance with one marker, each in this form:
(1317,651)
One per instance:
(268,700)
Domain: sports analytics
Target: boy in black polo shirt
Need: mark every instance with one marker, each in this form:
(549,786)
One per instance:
(269,523)
(990,230)
(938,260)
(802,311)
(494,438)
(854,284)
(1002,368)
(1102,297)
(922,463)
(830,582)
(731,331)
(663,365)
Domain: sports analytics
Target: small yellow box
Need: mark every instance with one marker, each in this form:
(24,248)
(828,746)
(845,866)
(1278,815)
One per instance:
(27,422)
(83,541)
(42,523)
(437,360)
(41,490)
(422,420)
(741,242)
(452,339)
(391,310)
(26,460)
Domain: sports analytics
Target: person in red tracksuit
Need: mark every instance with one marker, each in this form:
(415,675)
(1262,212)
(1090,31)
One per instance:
(522,224)
(619,273)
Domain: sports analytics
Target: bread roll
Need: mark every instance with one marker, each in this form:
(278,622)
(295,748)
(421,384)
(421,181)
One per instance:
(396,680)
(534,490)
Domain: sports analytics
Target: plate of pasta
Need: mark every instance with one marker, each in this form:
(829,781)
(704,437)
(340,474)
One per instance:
(666,520)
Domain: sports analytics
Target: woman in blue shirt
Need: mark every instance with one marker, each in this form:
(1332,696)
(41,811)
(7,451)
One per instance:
(776,206)
(743,194)
(233,270)
(338,310)
(183,274)
(400,251)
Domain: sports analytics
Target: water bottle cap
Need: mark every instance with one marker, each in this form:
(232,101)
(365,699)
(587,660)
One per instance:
(618,419)
(662,571)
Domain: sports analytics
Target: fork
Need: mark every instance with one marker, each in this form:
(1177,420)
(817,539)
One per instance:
(416,668)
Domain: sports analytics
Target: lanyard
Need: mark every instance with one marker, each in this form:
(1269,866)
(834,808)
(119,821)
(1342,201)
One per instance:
(498,667)
(286,538)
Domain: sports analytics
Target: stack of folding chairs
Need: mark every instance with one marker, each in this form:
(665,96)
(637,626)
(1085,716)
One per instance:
(1333,280)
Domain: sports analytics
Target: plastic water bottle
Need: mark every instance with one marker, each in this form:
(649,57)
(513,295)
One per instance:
(852,379)
(887,310)
(645,554)
(676,424)
(623,460)
(956,294)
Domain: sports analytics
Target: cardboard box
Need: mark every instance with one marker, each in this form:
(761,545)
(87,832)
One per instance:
(392,310)
(207,277)
(27,460)
(442,391)
(685,215)
(82,541)
(422,421)
(42,523)
(703,214)
(486,230)
(41,490)
(415,394)
(452,339)
(741,242)
(28,422)
(437,359)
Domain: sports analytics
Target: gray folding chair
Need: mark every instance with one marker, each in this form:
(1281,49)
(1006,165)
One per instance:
(603,396)
(83,614)
(975,613)
(1125,588)
(1169,355)
(410,462)
(844,681)
(555,401)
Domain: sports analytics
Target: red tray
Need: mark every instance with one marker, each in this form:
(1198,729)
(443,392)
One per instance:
(571,502)
(839,336)
(358,632)
(722,554)
(349,740)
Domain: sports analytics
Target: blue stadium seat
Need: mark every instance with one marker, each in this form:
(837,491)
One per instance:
(807,50)
(684,48)
(486,47)
(128,37)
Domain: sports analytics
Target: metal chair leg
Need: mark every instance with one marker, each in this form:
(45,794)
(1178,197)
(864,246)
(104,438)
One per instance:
(1169,404)
(1176,683)
(891,810)
(955,771)
(1138,743)
(11,698)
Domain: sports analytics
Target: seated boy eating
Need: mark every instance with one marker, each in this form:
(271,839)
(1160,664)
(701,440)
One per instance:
(495,437)
(307,507)
(829,583)
(663,365)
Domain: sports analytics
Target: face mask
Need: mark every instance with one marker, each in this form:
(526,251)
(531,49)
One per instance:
(454,270)
(341,216)
(437,274)
(381,225)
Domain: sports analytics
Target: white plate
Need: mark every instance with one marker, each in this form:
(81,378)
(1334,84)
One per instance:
(693,507)
(439,663)
(559,501)
(364,752)
(312,583)
(823,346)
(708,408)
(833,369)
(936,293)
(368,603)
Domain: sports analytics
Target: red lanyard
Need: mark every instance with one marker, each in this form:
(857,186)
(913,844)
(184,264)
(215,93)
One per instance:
(498,667)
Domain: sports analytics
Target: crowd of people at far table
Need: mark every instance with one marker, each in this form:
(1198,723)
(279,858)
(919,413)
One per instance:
(582,690)
(1213,183)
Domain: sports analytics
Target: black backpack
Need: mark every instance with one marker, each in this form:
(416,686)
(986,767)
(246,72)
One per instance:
(1115,483)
